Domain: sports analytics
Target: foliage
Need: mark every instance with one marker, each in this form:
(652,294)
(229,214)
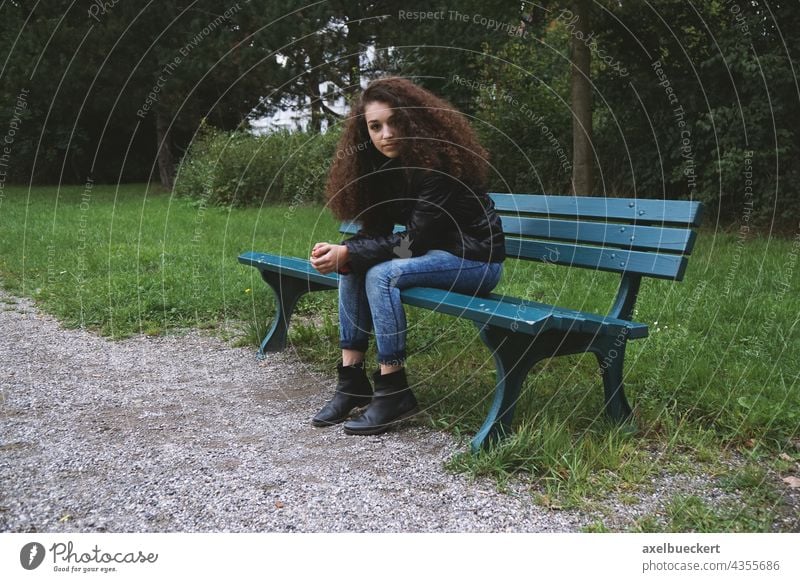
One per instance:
(522,100)
(100,75)
(240,169)
(689,102)
(724,70)
(435,45)
(692,100)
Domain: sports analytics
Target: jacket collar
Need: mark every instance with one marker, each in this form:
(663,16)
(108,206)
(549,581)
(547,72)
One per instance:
(386,164)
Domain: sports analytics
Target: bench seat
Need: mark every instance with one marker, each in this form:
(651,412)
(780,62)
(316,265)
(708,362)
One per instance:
(522,315)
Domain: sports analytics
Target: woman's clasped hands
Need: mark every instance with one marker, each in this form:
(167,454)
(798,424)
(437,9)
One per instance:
(327,258)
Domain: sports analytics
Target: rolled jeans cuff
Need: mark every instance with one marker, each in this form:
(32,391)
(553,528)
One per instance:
(359,346)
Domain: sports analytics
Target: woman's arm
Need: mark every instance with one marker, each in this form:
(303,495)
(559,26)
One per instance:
(428,219)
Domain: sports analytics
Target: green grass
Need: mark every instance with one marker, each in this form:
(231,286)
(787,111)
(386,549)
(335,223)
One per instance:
(133,260)
(692,514)
(716,378)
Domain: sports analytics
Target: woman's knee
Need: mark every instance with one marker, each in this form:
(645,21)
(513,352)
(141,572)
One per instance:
(380,276)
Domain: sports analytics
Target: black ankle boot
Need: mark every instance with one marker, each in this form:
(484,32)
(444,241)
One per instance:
(393,401)
(352,391)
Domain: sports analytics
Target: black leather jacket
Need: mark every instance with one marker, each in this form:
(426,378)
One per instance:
(438,212)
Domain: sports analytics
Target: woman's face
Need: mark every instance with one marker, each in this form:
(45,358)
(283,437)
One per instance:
(382,130)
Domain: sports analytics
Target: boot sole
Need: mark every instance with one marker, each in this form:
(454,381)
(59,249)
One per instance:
(382,428)
(324,423)
(334,422)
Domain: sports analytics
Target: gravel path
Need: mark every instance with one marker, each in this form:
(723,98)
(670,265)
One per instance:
(185,433)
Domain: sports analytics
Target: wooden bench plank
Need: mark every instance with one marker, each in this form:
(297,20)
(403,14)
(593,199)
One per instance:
(635,329)
(517,314)
(660,266)
(479,309)
(642,211)
(630,237)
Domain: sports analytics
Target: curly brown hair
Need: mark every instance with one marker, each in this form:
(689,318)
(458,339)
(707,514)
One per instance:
(433,135)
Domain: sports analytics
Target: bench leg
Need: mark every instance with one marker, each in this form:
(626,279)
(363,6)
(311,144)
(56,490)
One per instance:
(611,356)
(287,291)
(514,357)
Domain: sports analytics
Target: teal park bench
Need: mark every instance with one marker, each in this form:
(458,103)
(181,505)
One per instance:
(633,237)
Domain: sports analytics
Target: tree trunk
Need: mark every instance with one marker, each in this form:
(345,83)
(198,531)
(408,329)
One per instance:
(166,164)
(581,97)
(314,96)
(315,125)
(355,72)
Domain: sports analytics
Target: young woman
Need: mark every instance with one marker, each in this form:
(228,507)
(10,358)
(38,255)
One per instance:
(406,157)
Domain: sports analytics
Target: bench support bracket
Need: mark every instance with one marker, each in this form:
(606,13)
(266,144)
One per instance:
(626,297)
(610,353)
(515,354)
(288,290)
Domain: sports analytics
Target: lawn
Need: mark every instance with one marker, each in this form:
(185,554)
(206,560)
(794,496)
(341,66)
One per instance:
(715,385)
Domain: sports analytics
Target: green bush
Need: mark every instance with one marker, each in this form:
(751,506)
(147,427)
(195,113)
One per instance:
(521,116)
(241,169)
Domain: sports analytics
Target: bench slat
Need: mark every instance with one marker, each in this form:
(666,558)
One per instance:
(657,265)
(636,330)
(352,227)
(480,309)
(517,314)
(660,266)
(631,237)
(642,211)
(617,235)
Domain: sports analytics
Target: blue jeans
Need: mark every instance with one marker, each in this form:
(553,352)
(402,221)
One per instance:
(371,300)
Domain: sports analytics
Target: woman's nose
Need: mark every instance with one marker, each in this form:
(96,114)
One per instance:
(387,133)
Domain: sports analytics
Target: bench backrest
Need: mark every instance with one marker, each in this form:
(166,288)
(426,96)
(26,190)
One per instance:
(625,235)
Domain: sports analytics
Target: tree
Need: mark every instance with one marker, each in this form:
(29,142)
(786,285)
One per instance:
(706,107)
(119,90)
(581,101)
(447,47)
